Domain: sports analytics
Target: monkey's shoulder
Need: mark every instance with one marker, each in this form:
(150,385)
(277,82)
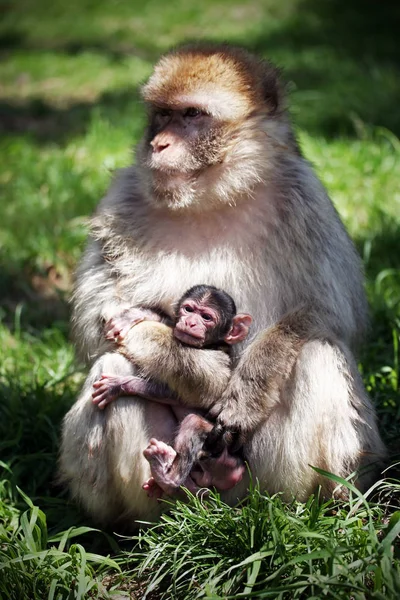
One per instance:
(122,210)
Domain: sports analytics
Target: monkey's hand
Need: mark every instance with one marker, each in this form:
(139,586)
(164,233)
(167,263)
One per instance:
(109,388)
(218,440)
(117,328)
(239,411)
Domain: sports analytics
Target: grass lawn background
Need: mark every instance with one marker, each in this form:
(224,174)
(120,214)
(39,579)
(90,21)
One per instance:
(70,114)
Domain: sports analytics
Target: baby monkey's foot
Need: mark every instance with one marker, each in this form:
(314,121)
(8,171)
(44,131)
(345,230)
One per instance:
(152,488)
(161,456)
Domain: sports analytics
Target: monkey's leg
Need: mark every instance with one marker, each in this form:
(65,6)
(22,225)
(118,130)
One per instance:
(222,472)
(189,441)
(108,388)
(324,418)
(161,456)
(101,451)
(171,467)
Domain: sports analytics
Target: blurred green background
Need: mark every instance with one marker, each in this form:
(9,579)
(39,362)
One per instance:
(70,113)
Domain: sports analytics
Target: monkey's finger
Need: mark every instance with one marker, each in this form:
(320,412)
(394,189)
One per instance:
(123,331)
(237,439)
(98,384)
(103,397)
(99,397)
(110,326)
(97,392)
(214,411)
(102,390)
(107,399)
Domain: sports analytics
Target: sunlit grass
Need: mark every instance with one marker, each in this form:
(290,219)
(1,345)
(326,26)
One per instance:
(70,114)
(268,549)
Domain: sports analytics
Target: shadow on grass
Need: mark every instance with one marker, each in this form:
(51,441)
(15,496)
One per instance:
(49,124)
(359,29)
(117,51)
(343,57)
(30,421)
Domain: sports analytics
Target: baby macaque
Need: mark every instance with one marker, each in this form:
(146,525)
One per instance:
(205,318)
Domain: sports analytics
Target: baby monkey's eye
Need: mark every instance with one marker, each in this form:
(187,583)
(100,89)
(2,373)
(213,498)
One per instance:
(192,111)
(206,317)
(188,309)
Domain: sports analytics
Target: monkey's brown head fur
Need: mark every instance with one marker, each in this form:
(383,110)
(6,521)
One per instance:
(228,81)
(216,119)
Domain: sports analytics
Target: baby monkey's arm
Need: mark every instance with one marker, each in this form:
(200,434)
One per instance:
(110,387)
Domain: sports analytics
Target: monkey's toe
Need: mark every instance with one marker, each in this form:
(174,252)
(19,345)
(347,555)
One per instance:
(159,452)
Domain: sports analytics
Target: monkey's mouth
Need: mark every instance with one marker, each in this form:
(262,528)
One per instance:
(174,175)
(190,340)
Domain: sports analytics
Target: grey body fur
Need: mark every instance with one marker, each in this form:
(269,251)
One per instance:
(271,238)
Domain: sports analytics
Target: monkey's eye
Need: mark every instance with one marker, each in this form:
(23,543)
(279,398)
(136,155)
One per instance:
(206,317)
(188,309)
(164,112)
(192,112)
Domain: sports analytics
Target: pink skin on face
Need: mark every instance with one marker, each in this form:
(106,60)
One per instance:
(176,129)
(195,321)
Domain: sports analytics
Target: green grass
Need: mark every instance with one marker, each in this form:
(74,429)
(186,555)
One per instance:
(267,549)
(70,113)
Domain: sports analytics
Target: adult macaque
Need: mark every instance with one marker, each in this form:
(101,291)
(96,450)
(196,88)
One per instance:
(221,194)
(205,317)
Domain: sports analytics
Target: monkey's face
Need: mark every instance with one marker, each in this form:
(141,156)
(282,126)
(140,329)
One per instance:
(213,119)
(197,324)
(182,141)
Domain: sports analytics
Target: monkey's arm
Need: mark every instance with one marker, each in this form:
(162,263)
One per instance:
(197,376)
(255,385)
(95,302)
(111,387)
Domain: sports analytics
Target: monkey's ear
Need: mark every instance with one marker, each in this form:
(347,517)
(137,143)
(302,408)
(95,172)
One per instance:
(272,88)
(239,330)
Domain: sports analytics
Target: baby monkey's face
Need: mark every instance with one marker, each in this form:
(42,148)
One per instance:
(197,323)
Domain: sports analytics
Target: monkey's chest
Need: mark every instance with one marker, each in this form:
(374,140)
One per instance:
(160,279)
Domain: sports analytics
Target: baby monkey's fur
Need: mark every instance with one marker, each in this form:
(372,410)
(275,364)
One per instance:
(205,317)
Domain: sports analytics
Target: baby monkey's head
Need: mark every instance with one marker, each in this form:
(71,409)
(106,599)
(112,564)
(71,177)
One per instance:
(206,316)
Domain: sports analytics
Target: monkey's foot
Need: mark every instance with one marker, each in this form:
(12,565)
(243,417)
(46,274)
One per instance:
(161,456)
(152,488)
(223,472)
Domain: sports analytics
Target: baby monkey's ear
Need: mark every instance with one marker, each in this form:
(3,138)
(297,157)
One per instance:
(239,330)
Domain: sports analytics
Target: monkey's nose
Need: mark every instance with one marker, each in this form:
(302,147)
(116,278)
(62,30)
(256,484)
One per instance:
(159,146)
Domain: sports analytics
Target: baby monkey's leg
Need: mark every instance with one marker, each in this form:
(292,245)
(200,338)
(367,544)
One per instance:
(170,468)
(180,467)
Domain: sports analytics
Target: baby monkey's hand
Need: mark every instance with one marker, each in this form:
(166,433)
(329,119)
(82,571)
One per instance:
(116,328)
